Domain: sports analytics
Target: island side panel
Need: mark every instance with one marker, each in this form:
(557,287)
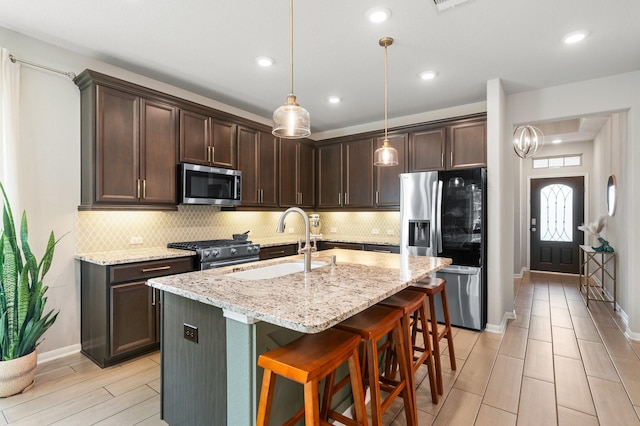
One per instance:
(245,343)
(194,378)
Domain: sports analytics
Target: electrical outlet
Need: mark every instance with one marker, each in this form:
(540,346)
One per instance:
(136,240)
(390,232)
(190,332)
(333,230)
(375,231)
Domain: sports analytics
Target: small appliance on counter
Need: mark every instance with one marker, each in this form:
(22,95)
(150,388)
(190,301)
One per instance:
(314,223)
(219,253)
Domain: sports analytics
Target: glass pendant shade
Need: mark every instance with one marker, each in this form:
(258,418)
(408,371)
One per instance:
(386,155)
(527,140)
(291,120)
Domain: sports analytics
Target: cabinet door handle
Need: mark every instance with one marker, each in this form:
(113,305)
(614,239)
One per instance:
(346,198)
(138,189)
(159,268)
(451,163)
(153,297)
(300,198)
(377,197)
(442,160)
(258,196)
(339,197)
(213,154)
(144,188)
(208,154)
(277,252)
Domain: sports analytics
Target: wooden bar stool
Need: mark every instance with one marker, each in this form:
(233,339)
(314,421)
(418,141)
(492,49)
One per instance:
(431,287)
(307,360)
(373,324)
(413,303)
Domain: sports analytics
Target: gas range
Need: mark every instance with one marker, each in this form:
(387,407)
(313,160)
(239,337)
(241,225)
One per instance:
(219,253)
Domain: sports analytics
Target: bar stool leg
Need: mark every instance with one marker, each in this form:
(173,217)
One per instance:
(266,398)
(447,321)
(436,344)
(311,410)
(421,315)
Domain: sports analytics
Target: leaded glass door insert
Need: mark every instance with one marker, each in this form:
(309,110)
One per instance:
(556,213)
(557,207)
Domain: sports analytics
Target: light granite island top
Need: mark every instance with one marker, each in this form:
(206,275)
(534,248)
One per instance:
(215,326)
(310,302)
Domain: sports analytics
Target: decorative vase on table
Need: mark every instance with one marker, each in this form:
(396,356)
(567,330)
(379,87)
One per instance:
(22,303)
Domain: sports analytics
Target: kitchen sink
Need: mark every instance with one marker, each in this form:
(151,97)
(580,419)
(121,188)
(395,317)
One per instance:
(274,271)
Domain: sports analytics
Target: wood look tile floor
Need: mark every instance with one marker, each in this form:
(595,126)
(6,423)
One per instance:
(558,363)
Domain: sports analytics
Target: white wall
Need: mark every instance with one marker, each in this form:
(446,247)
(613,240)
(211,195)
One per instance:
(500,206)
(611,94)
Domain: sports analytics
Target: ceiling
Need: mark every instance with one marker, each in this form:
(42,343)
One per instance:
(209,47)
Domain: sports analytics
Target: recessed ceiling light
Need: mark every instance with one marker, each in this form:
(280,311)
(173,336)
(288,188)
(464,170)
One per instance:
(428,75)
(575,37)
(556,141)
(378,14)
(334,99)
(264,61)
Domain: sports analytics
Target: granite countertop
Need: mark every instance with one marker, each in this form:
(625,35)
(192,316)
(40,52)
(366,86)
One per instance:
(309,302)
(130,256)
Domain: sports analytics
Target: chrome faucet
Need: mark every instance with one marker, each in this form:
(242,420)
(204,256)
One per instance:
(307,249)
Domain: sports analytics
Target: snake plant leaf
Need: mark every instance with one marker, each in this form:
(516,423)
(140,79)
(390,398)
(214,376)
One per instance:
(47,258)
(9,281)
(9,226)
(30,261)
(24,294)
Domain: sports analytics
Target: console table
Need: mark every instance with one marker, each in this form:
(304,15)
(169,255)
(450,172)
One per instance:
(592,289)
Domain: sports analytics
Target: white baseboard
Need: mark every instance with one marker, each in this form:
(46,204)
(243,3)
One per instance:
(502,327)
(59,353)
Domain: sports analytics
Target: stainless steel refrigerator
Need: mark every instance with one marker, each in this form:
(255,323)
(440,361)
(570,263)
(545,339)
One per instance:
(444,214)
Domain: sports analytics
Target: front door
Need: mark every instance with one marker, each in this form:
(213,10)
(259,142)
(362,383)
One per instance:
(557,208)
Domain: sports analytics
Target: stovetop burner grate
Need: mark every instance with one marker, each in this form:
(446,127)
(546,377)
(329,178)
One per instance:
(194,245)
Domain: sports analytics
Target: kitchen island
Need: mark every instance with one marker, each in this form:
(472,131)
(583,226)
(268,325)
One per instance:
(216,379)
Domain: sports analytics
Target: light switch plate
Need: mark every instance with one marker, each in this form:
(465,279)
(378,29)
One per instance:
(136,240)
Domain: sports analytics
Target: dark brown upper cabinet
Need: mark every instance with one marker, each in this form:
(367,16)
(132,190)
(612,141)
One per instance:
(258,162)
(345,174)
(128,149)
(467,145)
(387,178)
(449,146)
(207,140)
(427,149)
(297,173)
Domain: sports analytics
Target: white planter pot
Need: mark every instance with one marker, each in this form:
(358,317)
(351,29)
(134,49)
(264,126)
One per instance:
(17,374)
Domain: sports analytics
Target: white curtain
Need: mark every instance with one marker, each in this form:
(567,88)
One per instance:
(9,125)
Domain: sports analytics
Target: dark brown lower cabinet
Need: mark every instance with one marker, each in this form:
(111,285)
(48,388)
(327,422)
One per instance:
(120,314)
(274,252)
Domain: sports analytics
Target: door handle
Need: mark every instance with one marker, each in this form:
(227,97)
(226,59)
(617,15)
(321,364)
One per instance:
(533,229)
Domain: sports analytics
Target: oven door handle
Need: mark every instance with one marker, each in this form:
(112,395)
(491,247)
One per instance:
(222,263)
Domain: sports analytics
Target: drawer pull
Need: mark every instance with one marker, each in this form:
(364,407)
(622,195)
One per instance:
(159,268)
(277,252)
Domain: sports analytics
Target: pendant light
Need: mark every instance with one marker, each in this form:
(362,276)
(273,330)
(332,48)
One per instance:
(291,121)
(386,155)
(527,140)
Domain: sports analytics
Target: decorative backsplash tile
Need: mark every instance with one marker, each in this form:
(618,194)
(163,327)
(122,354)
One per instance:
(107,231)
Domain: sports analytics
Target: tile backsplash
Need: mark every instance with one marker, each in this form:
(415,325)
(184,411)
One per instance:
(107,231)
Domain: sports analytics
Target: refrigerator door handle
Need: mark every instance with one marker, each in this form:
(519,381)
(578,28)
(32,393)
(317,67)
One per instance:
(434,219)
(439,218)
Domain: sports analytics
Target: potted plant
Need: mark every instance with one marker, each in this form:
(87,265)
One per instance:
(22,303)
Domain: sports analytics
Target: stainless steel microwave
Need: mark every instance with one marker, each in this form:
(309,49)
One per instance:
(209,185)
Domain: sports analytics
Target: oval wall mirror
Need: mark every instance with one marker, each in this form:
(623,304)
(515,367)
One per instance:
(611,194)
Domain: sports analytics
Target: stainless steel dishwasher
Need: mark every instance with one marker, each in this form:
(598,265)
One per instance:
(464,294)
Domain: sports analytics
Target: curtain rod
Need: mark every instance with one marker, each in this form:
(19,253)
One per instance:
(13,59)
